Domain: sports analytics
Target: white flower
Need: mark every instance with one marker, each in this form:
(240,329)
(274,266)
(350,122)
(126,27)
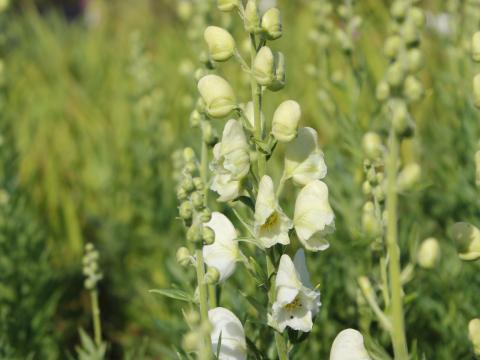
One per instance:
(224,253)
(229,329)
(285,121)
(348,345)
(231,161)
(296,303)
(313,216)
(271,223)
(304,159)
(221,44)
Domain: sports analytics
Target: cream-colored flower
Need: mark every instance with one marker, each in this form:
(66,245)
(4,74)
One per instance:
(285,121)
(271,223)
(314,216)
(231,161)
(303,158)
(348,345)
(296,303)
(224,253)
(218,95)
(229,332)
(221,44)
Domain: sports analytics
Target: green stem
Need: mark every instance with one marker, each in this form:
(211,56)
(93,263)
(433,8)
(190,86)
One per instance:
(206,351)
(398,328)
(97,325)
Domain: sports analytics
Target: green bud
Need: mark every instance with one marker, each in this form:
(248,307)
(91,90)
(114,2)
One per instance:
(197,199)
(272,23)
(181,194)
(476,90)
(183,256)
(188,154)
(251,20)
(401,120)
(414,60)
(279,72)
(399,9)
(392,46)
(416,15)
(195,118)
(205,215)
(429,253)
(344,11)
(218,95)
(194,233)
(191,341)
(372,145)
(263,66)
(221,44)
(370,224)
(475,46)
(209,134)
(474,335)
(395,74)
(89,247)
(467,238)
(344,40)
(409,176)
(366,188)
(212,276)
(371,175)
(187,183)
(285,121)
(208,235)
(198,183)
(383,91)
(379,193)
(410,33)
(412,88)
(89,284)
(227,5)
(190,167)
(185,210)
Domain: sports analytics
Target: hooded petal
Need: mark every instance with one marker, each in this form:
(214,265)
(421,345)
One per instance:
(227,188)
(223,253)
(266,202)
(301,268)
(287,275)
(227,327)
(234,150)
(303,159)
(313,214)
(348,345)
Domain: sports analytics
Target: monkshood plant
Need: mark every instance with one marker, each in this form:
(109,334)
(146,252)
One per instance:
(254,229)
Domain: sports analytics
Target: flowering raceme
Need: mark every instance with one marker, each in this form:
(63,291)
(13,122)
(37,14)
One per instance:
(228,333)
(348,345)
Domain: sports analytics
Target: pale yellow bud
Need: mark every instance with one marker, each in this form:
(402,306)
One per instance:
(383,91)
(263,66)
(251,20)
(399,9)
(467,238)
(372,145)
(285,121)
(395,74)
(191,341)
(392,46)
(429,253)
(409,176)
(218,95)
(212,276)
(184,9)
(417,16)
(410,33)
(183,256)
(475,47)
(221,44)
(413,88)
(476,90)
(227,5)
(401,120)
(414,60)
(474,334)
(272,23)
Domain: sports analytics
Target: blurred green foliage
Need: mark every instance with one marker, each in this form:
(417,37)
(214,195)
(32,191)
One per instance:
(91,111)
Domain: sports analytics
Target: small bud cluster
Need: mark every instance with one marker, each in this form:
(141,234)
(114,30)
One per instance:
(91,269)
(192,341)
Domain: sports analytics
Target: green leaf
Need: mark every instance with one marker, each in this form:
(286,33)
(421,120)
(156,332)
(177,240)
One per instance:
(176,294)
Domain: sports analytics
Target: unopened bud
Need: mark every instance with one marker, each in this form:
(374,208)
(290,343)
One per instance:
(221,44)
(379,193)
(208,235)
(194,234)
(467,238)
(198,183)
(285,121)
(414,60)
(474,335)
(413,88)
(392,46)
(399,9)
(251,20)
(205,215)
(191,341)
(401,120)
(366,188)
(263,66)
(227,5)
(183,256)
(187,183)
(185,210)
(410,33)
(209,134)
(409,176)
(416,15)
(383,91)
(475,47)
(218,95)
(212,276)
(370,224)
(272,23)
(195,118)
(429,253)
(372,145)
(395,74)
(197,199)
(188,154)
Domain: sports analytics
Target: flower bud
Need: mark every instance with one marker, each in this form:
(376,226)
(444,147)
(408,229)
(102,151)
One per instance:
(392,46)
(205,215)
(187,184)
(212,276)
(221,44)
(181,194)
(467,238)
(208,235)
(474,335)
(429,253)
(395,74)
(263,66)
(409,176)
(366,188)
(198,184)
(251,17)
(218,96)
(191,341)
(372,145)
(476,90)
(399,9)
(402,123)
(188,154)
(209,134)
(185,210)
(414,60)
(475,47)
(285,121)
(227,5)
(197,199)
(195,234)
(370,224)
(416,15)
(183,256)
(279,72)
(195,118)
(383,91)
(344,40)
(272,23)
(413,88)
(410,33)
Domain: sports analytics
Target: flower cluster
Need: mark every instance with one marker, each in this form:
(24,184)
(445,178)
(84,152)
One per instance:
(90,267)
